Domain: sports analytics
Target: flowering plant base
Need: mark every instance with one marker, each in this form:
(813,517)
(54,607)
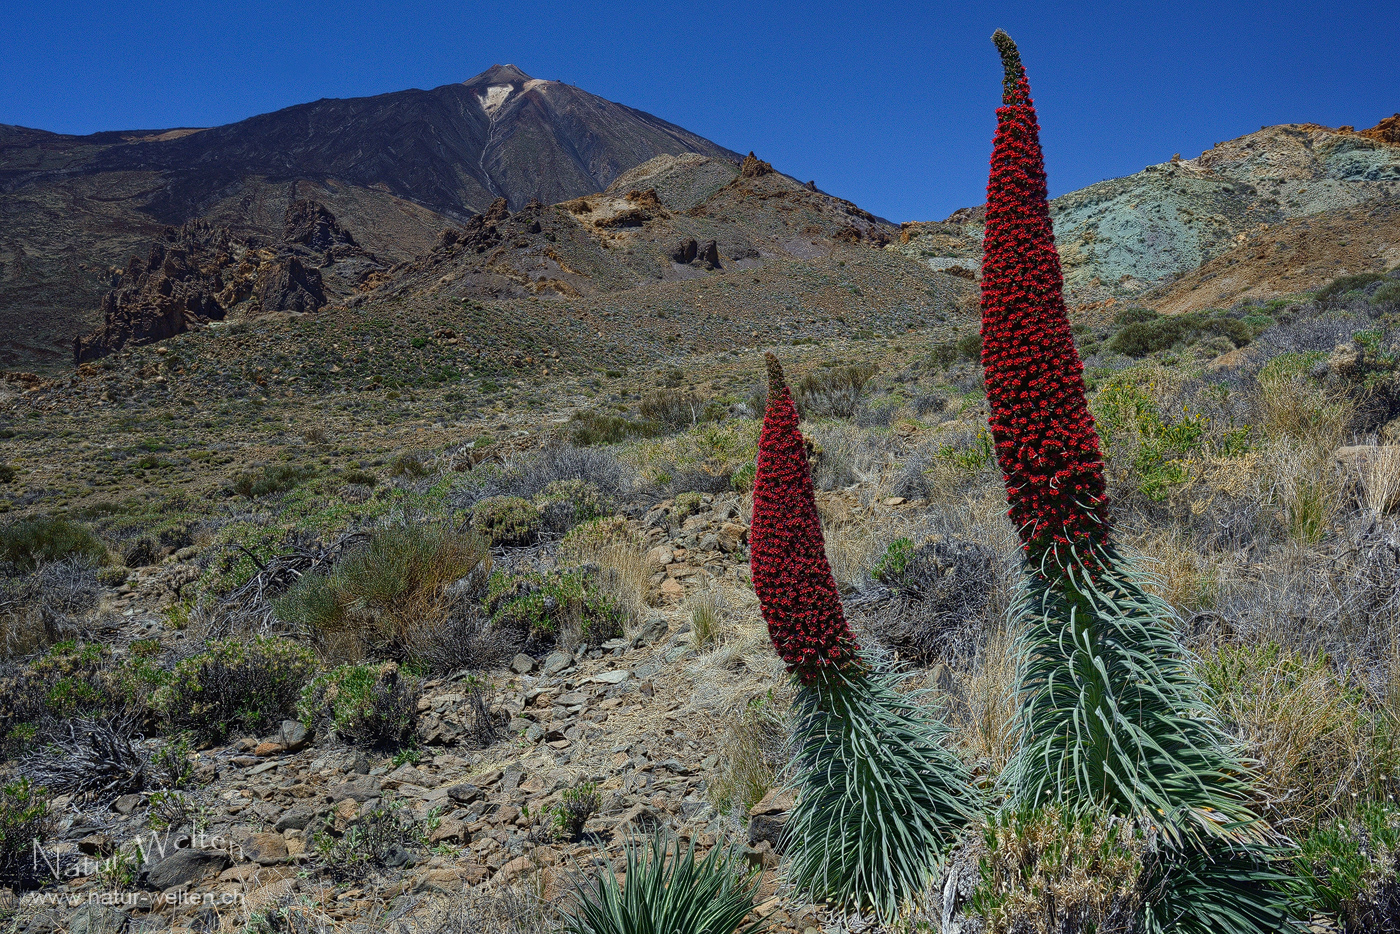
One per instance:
(880,799)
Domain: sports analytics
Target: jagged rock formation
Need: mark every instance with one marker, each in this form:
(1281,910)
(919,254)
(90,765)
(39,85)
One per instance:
(200,273)
(753,167)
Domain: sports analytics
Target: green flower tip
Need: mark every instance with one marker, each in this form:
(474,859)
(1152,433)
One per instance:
(1011,61)
(775,373)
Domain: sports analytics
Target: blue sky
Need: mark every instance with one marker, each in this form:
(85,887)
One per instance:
(887,104)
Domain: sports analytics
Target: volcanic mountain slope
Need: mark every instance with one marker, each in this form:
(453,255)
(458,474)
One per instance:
(672,218)
(394,169)
(1120,237)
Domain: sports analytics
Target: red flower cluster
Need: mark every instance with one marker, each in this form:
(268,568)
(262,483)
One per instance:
(791,575)
(1045,439)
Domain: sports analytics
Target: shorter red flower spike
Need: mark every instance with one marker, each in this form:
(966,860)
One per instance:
(791,576)
(1045,439)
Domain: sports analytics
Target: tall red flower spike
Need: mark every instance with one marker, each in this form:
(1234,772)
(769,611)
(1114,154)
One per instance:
(791,576)
(1045,439)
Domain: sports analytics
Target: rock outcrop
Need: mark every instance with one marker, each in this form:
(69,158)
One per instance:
(199,273)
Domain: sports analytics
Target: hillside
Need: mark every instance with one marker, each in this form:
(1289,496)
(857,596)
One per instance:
(394,169)
(1121,237)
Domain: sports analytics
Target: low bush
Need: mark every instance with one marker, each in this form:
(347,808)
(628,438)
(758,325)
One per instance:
(666,889)
(672,409)
(385,598)
(589,427)
(1050,870)
(1350,870)
(24,818)
(408,465)
(465,640)
(235,684)
(563,504)
(564,606)
(274,478)
(1140,335)
(384,837)
(372,706)
(90,758)
(937,601)
(576,805)
(507,520)
(29,543)
(834,392)
(1338,289)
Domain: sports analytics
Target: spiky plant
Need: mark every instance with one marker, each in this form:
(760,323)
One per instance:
(879,798)
(666,889)
(1113,716)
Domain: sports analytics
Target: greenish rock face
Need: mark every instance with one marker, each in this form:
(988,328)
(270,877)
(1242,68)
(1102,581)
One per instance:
(1120,237)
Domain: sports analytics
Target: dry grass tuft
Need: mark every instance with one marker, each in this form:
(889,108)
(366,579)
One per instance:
(1379,474)
(623,575)
(1180,573)
(753,751)
(707,606)
(1310,737)
(1293,406)
(1308,488)
(986,712)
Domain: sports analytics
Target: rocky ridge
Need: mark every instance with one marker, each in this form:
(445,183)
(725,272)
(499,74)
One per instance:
(200,273)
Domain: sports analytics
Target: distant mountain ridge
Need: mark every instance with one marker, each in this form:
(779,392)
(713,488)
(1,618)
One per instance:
(453,149)
(395,169)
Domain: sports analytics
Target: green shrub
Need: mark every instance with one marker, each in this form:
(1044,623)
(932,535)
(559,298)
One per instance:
(1049,870)
(1337,289)
(359,477)
(970,346)
(742,479)
(1159,448)
(563,504)
(666,889)
(374,706)
(506,520)
(895,559)
(24,819)
(235,684)
(686,504)
(1388,294)
(384,837)
(7,473)
(589,427)
(576,805)
(408,465)
(566,604)
(1350,870)
(170,765)
(29,543)
(1140,335)
(275,478)
(382,598)
(113,575)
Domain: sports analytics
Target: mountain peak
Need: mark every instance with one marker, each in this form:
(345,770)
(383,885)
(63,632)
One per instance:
(498,74)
